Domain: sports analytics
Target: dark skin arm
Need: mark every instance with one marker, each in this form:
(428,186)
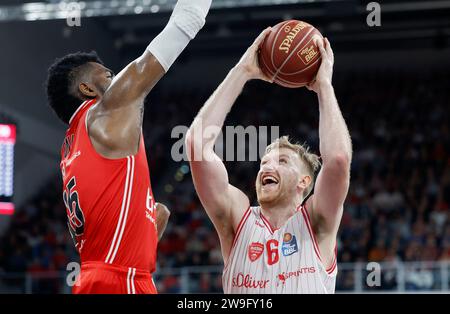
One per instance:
(162,217)
(115,122)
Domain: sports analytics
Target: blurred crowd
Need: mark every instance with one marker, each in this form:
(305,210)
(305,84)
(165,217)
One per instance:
(397,207)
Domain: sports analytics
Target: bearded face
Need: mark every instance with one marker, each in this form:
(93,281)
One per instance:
(279,176)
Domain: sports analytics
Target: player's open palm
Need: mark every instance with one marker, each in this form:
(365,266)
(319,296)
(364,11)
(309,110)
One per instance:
(249,61)
(325,73)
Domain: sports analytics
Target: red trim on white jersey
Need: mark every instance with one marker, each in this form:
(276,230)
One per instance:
(267,223)
(311,233)
(238,231)
(240,225)
(307,218)
(334,264)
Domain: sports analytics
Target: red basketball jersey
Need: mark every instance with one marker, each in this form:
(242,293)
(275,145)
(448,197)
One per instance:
(109,202)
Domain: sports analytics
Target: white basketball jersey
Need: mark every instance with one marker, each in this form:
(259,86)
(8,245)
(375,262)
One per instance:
(286,260)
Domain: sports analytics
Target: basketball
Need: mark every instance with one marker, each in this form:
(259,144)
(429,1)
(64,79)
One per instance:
(289,55)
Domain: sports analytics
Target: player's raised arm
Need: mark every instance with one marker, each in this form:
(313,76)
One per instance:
(224,203)
(326,205)
(117,120)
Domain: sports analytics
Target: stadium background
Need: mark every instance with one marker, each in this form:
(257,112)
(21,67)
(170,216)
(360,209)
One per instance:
(392,83)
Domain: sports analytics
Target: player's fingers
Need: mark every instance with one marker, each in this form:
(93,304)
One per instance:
(328,48)
(262,36)
(319,44)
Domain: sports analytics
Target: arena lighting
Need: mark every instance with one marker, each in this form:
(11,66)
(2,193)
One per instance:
(59,10)
(7,142)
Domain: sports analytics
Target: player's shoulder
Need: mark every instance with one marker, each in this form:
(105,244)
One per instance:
(255,210)
(307,204)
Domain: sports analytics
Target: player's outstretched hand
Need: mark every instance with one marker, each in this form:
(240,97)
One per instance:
(325,74)
(249,61)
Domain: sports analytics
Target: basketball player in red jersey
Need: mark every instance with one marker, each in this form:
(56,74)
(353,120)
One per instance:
(287,244)
(112,214)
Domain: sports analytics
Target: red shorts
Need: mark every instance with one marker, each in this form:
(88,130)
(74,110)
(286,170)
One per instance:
(101,278)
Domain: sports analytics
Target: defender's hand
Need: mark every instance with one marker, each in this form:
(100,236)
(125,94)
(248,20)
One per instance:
(162,217)
(325,74)
(249,61)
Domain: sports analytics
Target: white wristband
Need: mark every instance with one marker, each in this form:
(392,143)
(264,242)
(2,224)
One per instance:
(168,45)
(187,20)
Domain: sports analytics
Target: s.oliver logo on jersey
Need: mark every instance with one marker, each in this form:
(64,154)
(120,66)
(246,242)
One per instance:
(255,251)
(247,281)
(289,246)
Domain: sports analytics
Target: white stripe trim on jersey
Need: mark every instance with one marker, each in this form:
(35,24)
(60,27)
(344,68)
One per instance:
(78,109)
(124,199)
(128,281)
(133,289)
(127,207)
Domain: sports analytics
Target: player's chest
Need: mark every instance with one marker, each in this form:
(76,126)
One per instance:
(272,247)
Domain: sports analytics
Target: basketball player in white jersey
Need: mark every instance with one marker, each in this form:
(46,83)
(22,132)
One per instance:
(287,244)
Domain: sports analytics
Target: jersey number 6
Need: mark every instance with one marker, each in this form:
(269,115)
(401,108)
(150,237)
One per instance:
(272,252)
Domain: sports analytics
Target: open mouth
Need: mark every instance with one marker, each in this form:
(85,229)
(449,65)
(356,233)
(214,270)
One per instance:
(269,180)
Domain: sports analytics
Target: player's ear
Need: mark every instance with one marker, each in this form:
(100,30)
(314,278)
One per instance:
(87,90)
(305,181)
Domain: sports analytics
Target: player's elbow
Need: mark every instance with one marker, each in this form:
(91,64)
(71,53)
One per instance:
(196,145)
(190,144)
(339,164)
